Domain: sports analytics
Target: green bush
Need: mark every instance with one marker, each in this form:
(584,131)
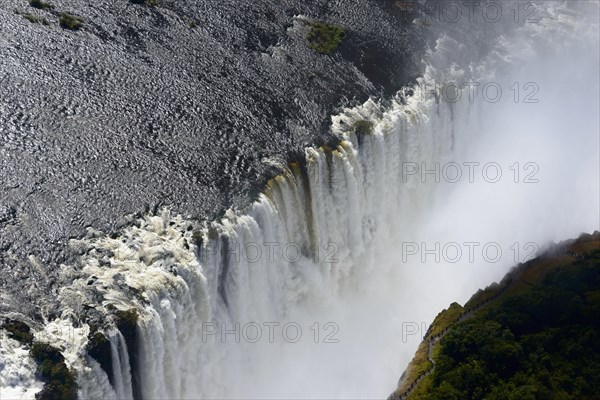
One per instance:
(33,19)
(43,351)
(151,3)
(127,322)
(197,236)
(18,330)
(68,21)
(41,5)
(61,383)
(363,127)
(324,38)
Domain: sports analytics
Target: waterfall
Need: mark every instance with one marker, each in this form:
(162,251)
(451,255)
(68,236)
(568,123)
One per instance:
(315,252)
(303,292)
(120,365)
(310,239)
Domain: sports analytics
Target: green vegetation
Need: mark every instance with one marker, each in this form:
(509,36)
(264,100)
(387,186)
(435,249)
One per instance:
(128,317)
(539,342)
(68,21)
(213,233)
(97,340)
(18,330)
(444,319)
(39,4)
(151,3)
(295,168)
(33,19)
(97,345)
(127,321)
(418,365)
(482,296)
(363,127)
(192,24)
(60,382)
(420,362)
(324,38)
(197,236)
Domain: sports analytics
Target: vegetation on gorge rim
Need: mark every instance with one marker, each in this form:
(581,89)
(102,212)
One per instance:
(539,340)
(61,383)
